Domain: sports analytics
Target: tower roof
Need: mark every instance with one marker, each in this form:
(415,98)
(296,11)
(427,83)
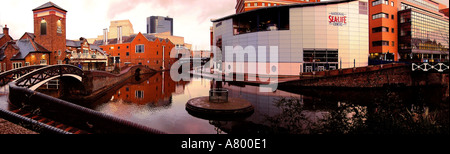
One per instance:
(48,5)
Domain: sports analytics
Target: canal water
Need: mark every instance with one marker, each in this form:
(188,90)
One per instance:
(159,102)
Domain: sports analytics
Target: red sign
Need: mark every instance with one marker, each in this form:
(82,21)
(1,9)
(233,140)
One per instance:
(337,19)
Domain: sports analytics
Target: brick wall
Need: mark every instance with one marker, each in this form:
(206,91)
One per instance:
(98,80)
(370,77)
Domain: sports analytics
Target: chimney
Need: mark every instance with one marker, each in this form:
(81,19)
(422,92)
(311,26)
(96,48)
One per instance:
(105,36)
(6,30)
(119,34)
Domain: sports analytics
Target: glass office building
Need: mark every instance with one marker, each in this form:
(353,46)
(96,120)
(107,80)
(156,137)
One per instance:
(309,37)
(423,36)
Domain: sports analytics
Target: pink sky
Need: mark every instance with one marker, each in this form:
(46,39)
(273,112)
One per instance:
(87,18)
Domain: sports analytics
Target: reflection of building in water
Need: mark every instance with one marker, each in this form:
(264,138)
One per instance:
(309,110)
(156,90)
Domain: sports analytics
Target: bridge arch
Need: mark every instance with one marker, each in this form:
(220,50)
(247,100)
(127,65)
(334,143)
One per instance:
(38,77)
(11,75)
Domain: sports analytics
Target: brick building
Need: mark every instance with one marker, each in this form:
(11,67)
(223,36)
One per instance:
(247,5)
(23,52)
(46,46)
(407,30)
(5,37)
(50,30)
(85,55)
(137,49)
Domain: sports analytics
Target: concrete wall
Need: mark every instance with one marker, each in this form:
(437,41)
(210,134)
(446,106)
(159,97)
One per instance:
(309,27)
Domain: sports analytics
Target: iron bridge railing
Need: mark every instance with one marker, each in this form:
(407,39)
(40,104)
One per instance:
(430,67)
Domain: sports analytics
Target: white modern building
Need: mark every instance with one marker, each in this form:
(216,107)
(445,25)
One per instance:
(310,37)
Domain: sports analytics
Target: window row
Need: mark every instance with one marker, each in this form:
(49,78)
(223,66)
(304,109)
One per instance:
(382,43)
(380,15)
(382,29)
(378,2)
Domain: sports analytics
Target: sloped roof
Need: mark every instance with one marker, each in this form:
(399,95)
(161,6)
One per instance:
(71,43)
(95,47)
(25,47)
(47,5)
(30,35)
(127,39)
(2,35)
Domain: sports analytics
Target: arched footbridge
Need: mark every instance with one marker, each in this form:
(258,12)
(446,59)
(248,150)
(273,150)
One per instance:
(40,76)
(56,115)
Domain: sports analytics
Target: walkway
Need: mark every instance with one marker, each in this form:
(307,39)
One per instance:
(7,127)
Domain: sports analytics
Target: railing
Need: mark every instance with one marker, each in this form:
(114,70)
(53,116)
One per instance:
(39,75)
(430,67)
(11,75)
(87,56)
(218,95)
(75,115)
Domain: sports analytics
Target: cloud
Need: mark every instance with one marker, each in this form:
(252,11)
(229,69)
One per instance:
(117,7)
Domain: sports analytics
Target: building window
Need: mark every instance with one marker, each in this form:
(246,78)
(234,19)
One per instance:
(43,27)
(380,29)
(140,48)
(392,17)
(380,15)
(60,62)
(393,43)
(27,63)
(392,30)
(59,52)
(128,53)
(118,47)
(320,59)
(139,94)
(85,52)
(17,65)
(269,4)
(380,43)
(248,4)
(58,26)
(392,3)
(377,2)
(386,2)
(43,62)
(256,4)
(263,4)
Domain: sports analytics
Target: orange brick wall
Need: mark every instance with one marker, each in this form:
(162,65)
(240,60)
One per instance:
(151,57)
(390,23)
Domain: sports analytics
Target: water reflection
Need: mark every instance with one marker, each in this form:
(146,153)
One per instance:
(158,102)
(349,118)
